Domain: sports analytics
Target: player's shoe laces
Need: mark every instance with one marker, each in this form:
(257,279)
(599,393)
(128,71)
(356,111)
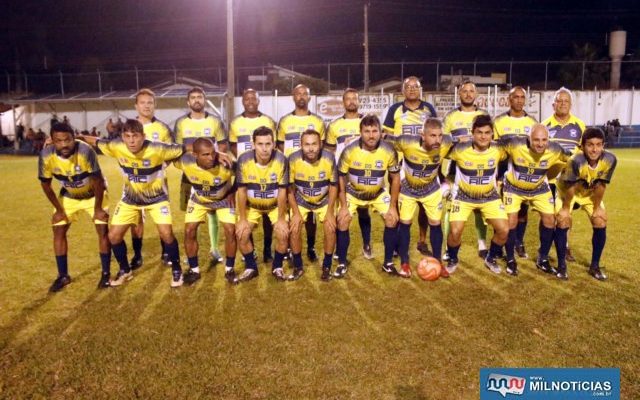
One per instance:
(247,275)
(230,276)
(512,268)
(311,255)
(60,283)
(405,271)
(135,263)
(366,252)
(176,279)
(569,257)
(297,274)
(492,265)
(326,274)
(452,265)
(545,266)
(121,278)
(520,250)
(104,281)
(597,273)
(423,249)
(390,269)
(278,273)
(191,277)
(341,271)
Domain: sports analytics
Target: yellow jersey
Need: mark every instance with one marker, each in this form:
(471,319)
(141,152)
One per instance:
(458,123)
(262,181)
(241,130)
(291,127)
(476,172)
(578,171)
(568,135)
(341,130)
(402,120)
(312,181)
(208,186)
(507,126)
(158,131)
(188,129)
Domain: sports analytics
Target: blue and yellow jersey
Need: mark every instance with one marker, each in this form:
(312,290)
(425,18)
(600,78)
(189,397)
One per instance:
(476,172)
(365,170)
(144,171)
(340,130)
(188,129)
(420,166)
(291,127)
(568,135)
(312,181)
(241,130)
(158,131)
(73,173)
(578,171)
(401,120)
(458,123)
(262,181)
(527,171)
(208,186)
(507,126)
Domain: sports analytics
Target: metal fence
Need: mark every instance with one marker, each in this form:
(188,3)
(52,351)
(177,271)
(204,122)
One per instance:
(539,75)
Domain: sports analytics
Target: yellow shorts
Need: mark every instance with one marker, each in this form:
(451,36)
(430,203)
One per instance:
(198,213)
(318,212)
(255,216)
(127,214)
(584,202)
(185,194)
(73,206)
(460,210)
(379,204)
(542,202)
(432,205)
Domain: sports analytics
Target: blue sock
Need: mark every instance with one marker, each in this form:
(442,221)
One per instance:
(136,243)
(328,259)
(520,231)
(230,262)
(61,262)
(310,225)
(105,262)
(297,261)
(390,239)
(278,259)
(546,240)
(193,262)
(250,261)
(436,238)
(510,246)
(598,241)
(342,245)
(404,232)
(364,220)
(494,250)
(561,247)
(453,253)
(120,253)
(173,251)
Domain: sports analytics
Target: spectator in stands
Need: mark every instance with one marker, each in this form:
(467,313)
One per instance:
(20,134)
(93,132)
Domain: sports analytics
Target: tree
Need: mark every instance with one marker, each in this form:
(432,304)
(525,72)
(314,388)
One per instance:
(587,67)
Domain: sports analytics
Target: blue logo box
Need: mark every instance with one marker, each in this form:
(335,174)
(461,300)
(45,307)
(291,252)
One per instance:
(549,383)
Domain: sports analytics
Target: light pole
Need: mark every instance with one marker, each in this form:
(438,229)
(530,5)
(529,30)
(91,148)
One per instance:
(231,87)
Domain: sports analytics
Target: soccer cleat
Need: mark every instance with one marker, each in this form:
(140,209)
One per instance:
(483,253)
(390,269)
(326,274)
(121,278)
(104,281)
(405,271)
(544,266)
(215,255)
(512,268)
(423,249)
(166,260)
(191,277)
(297,274)
(596,273)
(520,250)
(569,257)
(311,255)
(230,276)
(60,283)
(492,265)
(366,252)
(443,272)
(341,271)
(452,265)
(176,279)
(278,273)
(135,263)
(247,275)
(562,275)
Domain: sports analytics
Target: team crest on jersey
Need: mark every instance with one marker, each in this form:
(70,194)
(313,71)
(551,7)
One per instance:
(164,210)
(491,162)
(77,168)
(527,129)
(273,176)
(423,117)
(552,133)
(322,175)
(207,132)
(217,181)
(310,126)
(155,136)
(146,163)
(573,133)
(543,163)
(378,164)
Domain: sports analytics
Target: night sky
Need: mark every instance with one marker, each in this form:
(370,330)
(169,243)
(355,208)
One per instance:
(77,35)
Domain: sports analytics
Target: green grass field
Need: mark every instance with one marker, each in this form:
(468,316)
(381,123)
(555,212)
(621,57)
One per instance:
(368,336)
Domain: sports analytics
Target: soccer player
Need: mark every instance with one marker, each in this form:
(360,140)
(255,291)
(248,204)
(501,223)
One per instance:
(340,133)
(75,165)
(241,140)
(475,188)
(195,124)
(212,191)
(262,179)
(290,128)
(530,158)
(362,168)
(420,185)
(457,123)
(565,129)
(584,182)
(516,122)
(154,131)
(143,166)
(407,118)
(313,188)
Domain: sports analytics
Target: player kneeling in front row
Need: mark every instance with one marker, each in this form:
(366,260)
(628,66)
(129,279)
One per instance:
(262,179)
(212,190)
(313,179)
(75,165)
(143,167)
(362,168)
(583,182)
